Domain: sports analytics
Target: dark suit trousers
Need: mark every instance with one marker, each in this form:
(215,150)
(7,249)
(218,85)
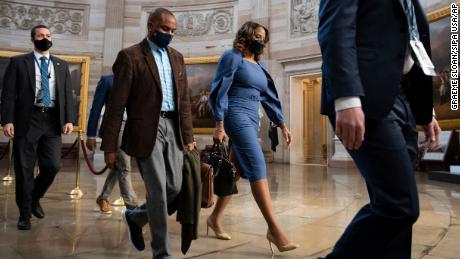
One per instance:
(42,142)
(386,160)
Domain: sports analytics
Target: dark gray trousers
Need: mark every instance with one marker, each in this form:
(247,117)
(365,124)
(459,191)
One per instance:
(162,174)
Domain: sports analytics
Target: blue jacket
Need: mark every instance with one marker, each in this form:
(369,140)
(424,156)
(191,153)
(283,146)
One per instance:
(100,98)
(363,55)
(218,98)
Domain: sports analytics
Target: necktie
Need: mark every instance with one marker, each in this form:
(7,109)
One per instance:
(45,89)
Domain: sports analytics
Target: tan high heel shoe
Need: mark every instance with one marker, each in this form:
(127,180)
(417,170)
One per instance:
(222,236)
(281,248)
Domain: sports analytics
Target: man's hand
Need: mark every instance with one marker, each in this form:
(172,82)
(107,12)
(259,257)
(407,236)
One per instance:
(190,146)
(68,128)
(286,134)
(111,160)
(349,127)
(8,130)
(91,144)
(432,132)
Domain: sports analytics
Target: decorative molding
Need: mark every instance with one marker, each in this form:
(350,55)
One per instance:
(201,20)
(204,22)
(304,17)
(67,20)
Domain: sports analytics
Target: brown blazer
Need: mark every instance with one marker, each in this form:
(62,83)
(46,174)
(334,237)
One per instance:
(136,86)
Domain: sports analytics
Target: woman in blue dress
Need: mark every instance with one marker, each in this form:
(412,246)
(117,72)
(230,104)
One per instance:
(240,85)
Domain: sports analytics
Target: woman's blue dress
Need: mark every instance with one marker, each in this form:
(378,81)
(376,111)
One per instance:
(241,121)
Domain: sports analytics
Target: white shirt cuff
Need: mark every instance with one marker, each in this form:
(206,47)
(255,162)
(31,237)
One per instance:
(348,102)
(91,137)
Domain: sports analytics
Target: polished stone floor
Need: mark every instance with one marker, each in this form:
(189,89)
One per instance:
(312,203)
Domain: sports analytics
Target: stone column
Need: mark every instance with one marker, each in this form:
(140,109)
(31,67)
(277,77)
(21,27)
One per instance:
(113,34)
(261,12)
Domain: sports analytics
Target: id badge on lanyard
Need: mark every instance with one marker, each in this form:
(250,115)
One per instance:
(422,57)
(417,46)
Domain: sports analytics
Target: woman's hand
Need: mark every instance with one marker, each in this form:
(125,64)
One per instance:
(286,134)
(219,133)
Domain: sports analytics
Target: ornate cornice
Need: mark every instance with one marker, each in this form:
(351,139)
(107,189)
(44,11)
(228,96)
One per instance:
(68,20)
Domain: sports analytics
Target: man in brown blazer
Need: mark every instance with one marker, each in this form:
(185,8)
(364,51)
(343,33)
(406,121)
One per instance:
(150,81)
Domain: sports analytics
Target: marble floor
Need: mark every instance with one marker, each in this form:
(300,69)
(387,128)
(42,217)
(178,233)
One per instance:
(312,203)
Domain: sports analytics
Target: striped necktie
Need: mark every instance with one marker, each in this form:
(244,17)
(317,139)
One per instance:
(45,89)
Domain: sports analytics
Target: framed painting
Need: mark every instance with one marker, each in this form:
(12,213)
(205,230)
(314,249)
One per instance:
(440,51)
(79,73)
(200,74)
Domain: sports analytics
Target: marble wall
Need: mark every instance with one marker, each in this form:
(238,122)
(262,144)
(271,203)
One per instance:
(99,29)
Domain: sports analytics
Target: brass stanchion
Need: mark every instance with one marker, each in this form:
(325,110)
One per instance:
(118,202)
(76,193)
(8,177)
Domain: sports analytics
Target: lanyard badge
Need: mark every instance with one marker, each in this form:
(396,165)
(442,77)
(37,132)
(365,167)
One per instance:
(422,57)
(416,45)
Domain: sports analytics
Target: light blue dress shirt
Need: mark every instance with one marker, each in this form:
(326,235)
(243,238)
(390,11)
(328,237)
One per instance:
(166,76)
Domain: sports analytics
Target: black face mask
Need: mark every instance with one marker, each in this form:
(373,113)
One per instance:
(43,44)
(256,47)
(161,39)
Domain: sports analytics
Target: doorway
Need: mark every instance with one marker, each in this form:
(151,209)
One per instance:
(314,124)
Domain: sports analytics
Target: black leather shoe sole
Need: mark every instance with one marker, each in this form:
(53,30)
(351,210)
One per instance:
(135,233)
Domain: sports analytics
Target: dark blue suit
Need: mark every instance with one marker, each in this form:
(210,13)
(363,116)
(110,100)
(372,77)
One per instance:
(100,98)
(364,44)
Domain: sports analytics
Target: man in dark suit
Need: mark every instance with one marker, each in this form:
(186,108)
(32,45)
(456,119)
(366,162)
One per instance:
(122,174)
(37,105)
(375,92)
(150,81)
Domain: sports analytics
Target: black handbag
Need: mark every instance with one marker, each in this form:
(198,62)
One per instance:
(224,171)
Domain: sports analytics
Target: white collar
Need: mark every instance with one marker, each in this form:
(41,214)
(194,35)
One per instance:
(38,55)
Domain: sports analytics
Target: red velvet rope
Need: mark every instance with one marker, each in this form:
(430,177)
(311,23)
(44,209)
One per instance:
(70,149)
(6,150)
(89,163)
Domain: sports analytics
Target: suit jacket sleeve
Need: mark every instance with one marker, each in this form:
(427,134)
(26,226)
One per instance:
(100,97)
(186,110)
(115,106)
(70,115)
(337,39)
(9,93)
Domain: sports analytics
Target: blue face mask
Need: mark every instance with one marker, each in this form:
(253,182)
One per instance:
(161,39)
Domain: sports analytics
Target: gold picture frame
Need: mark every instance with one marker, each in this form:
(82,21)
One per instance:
(440,42)
(200,74)
(78,65)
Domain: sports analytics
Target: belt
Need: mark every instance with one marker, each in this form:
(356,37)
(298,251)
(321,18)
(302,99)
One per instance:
(168,114)
(44,109)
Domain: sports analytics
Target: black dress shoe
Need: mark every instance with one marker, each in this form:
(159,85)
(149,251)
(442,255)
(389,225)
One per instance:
(135,232)
(37,210)
(23,224)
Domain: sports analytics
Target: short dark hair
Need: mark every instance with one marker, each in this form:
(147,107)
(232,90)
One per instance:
(32,31)
(155,16)
(245,34)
